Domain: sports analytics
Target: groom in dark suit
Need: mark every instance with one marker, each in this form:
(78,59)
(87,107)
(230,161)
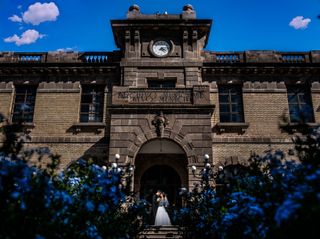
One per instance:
(155,204)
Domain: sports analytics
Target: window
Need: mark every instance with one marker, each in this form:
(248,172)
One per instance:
(24,101)
(300,104)
(230,102)
(161,84)
(92,104)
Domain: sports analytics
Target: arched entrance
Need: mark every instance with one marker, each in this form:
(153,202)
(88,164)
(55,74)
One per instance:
(161,164)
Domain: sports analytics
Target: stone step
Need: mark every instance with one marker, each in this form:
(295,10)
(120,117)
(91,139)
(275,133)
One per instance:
(163,228)
(160,236)
(161,232)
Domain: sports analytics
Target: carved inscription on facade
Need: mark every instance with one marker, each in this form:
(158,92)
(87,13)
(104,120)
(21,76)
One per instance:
(157,96)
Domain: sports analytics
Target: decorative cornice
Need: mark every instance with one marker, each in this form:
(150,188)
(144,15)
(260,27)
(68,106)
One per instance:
(250,140)
(74,139)
(254,69)
(57,69)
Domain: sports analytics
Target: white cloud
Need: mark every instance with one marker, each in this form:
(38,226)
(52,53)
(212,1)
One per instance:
(19,6)
(28,37)
(15,18)
(67,49)
(299,22)
(38,13)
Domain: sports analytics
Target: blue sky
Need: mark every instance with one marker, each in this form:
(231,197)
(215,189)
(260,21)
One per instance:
(84,25)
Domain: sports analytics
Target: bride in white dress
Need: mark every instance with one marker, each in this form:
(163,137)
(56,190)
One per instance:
(162,217)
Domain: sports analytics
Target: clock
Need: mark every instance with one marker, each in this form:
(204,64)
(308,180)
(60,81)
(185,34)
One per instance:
(161,48)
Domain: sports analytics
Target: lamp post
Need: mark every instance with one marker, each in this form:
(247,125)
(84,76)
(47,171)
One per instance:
(207,174)
(126,172)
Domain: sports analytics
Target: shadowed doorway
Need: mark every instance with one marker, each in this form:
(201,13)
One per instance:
(161,164)
(164,178)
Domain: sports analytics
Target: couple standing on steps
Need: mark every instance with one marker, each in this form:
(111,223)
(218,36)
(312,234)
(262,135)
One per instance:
(159,205)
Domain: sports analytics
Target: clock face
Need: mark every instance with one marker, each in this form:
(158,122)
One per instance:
(161,48)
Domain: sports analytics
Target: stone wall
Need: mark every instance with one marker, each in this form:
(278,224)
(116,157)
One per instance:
(71,150)
(57,108)
(265,102)
(6,98)
(238,150)
(56,121)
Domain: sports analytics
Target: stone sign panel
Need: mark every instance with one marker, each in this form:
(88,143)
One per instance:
(124,95)
(157,96)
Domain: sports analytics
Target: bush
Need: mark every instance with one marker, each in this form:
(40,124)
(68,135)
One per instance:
(271,197)
(84,201)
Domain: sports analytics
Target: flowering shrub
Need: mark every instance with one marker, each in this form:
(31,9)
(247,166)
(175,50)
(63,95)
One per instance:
(271,197)
(84,201)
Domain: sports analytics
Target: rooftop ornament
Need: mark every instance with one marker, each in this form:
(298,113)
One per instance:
(188,12)
(188,8)
(133,11)
(134,8)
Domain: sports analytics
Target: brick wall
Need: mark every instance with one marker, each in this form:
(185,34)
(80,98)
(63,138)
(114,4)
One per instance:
(264,103)
(55,113)
(57,110)
(263,111)
(71,152)
(315,91)
(6,97)
(223,151)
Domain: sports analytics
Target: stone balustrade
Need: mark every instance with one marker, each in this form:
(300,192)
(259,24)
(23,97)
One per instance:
(227,57)
(294,58)
(60,57)
(97,57)
(31,57)
(260,56)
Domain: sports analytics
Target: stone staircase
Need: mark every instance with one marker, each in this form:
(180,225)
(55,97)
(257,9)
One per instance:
(161,232)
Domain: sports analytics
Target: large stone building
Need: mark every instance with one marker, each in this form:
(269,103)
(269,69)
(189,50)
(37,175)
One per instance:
(161,101)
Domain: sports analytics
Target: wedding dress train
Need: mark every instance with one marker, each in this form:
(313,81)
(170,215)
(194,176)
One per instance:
(162,217)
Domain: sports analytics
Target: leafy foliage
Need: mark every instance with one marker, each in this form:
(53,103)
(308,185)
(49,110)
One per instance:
(84,201)
(271,197)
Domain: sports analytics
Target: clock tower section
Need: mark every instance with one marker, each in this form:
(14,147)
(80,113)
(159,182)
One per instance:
(160,112)
(161,49)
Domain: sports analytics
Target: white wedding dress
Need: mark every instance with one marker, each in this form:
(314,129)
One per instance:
(162,217)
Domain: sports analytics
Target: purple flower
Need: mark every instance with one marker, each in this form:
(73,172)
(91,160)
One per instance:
(285,211)
(92,232)
(15,194)
(39,237)
(102,208)
(90,206)
(23,205)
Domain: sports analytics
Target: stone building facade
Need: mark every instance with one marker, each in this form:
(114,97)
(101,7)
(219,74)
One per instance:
(161,101)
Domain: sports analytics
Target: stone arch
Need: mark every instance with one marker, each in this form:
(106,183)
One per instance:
(169,134)
(161,152)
